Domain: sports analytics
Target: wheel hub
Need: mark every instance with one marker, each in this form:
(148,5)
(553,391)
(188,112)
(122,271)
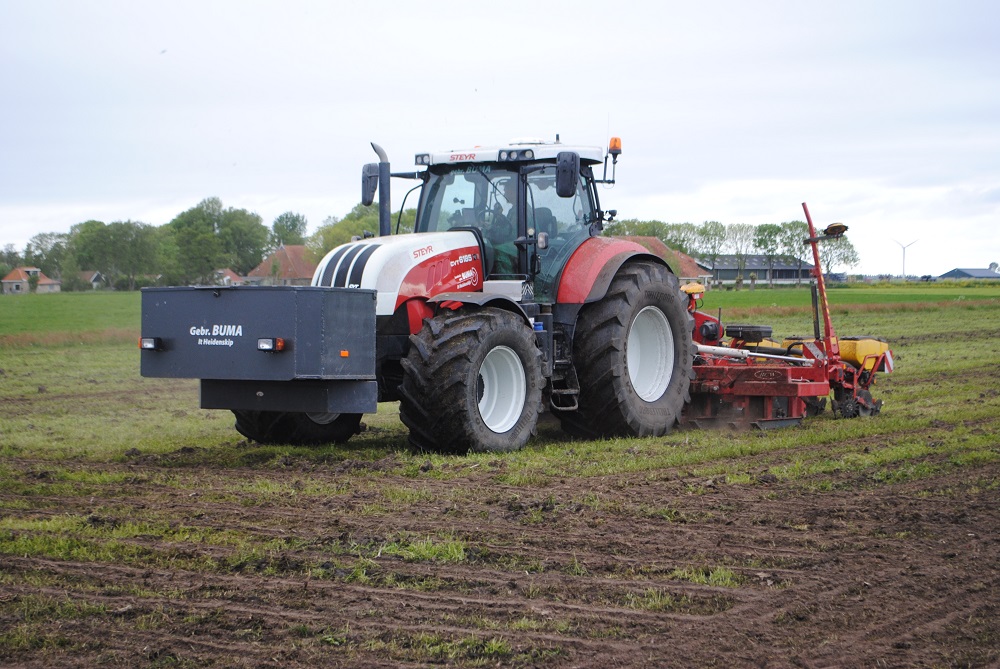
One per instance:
(323,418)
(501,389)
(650,354)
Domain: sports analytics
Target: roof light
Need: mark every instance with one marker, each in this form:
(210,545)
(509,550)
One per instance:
(423,159)
(271,344)
(514,154)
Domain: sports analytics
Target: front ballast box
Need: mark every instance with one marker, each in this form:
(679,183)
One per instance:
(247,342)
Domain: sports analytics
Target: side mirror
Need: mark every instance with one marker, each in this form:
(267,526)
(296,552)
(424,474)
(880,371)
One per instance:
(567,173)
(369,183)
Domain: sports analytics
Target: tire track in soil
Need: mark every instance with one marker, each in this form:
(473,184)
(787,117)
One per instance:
(819,551)
(424,605)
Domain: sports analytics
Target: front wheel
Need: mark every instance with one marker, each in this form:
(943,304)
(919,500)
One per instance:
(281,427)
(633,355)
(472,382)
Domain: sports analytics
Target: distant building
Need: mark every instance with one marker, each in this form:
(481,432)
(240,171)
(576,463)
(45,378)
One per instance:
(727,269)
(285,267)
(227,277)
(966,273)
(93,277)
(19,281)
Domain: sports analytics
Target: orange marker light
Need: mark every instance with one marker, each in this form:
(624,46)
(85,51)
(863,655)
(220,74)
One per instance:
(345,354)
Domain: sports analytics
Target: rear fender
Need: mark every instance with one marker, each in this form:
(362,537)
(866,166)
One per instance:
(590,269)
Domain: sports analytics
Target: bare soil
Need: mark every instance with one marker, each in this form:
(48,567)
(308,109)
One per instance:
(584,572)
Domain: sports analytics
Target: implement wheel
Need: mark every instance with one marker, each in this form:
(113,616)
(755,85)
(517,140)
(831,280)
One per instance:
(633,356)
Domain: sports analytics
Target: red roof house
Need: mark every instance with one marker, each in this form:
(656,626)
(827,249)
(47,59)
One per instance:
(287,266)
(19,281)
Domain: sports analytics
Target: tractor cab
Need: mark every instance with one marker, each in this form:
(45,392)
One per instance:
(527,220)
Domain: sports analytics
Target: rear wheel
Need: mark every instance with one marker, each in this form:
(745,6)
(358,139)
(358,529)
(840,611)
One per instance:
(632,353)
(280,427)
(472,382)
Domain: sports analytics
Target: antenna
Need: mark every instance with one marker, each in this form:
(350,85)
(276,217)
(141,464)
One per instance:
(904,247)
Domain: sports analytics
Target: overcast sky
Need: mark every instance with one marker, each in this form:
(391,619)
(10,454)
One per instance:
(883,115)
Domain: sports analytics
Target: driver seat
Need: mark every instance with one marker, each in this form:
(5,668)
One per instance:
(545,221)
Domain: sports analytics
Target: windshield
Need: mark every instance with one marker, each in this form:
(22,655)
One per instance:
(464,197)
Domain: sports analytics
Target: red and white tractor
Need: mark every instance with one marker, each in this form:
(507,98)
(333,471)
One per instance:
(504,301)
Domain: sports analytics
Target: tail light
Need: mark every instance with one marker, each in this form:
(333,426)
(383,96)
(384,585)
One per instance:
(271,344)
(150,343)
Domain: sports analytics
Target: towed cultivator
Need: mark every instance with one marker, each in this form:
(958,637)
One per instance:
(751,380)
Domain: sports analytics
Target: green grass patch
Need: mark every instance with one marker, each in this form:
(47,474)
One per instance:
(68,313)
(462,651)
(663,601)
(720,577)
(428,549)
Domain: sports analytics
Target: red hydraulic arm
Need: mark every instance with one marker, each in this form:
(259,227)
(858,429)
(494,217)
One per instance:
(830,339)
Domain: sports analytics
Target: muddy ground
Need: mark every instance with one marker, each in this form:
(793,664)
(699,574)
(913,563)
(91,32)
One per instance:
(596,572)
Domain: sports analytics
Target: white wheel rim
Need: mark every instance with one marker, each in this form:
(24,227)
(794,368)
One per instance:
(503,387)
(650,354)
(323,418)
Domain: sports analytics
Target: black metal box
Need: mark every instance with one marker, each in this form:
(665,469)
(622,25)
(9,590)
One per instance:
(213,333)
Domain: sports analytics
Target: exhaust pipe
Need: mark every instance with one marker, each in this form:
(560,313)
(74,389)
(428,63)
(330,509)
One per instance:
(384,205)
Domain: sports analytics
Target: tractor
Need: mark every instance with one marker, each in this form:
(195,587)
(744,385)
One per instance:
(504,302)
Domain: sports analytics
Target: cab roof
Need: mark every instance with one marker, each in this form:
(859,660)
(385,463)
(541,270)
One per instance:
(518,150)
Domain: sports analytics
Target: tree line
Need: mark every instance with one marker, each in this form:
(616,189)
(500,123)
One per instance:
(186,251)
(775,242)
(209,236)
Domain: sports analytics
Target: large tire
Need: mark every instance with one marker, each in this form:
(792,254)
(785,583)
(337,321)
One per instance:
(633,355)
(472,381)
(278,427)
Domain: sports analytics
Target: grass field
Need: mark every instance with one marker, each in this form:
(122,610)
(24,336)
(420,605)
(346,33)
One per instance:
(96,312)
(136,528)
(58,346)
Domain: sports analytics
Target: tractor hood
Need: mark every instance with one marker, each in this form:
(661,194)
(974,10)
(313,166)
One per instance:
(402,267)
